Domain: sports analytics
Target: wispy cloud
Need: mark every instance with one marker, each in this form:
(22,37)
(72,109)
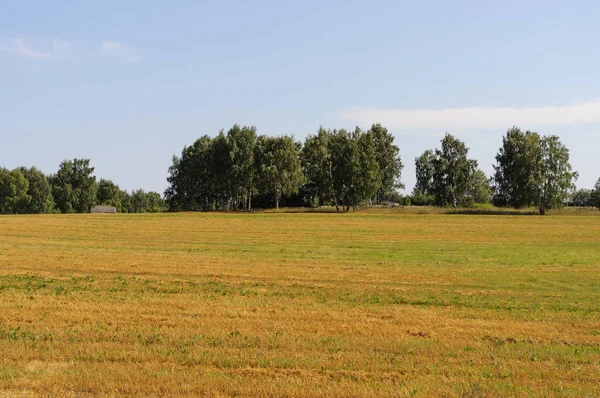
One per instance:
(116,49)
(61,50)
(26,51)
(476,117)
(113,46)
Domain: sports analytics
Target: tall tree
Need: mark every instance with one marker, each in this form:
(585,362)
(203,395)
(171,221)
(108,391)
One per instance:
(192,177)
(388,159)
(517,169)
(139,201)
(13,191)
(241,141)
(126,204)
(155,203)
(452,172)
(74,186)
(317,166)
(532,171)
(221,168)
(424,166)
(278,166)
(344,160)
(479,189)
(367,177)
(39,190)
(557,180)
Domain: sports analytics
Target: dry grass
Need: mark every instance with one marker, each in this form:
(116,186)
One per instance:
(272,304)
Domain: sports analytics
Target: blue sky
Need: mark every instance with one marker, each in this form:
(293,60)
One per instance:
(129,83)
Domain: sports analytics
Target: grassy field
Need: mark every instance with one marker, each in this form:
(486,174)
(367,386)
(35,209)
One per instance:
(273,304)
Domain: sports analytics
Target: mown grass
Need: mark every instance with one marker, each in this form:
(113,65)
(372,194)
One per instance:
(375,303)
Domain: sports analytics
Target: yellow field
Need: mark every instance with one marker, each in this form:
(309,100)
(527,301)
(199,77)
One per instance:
(274,304)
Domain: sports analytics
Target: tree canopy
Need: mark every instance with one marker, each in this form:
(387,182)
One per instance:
(333,167)
(532,171)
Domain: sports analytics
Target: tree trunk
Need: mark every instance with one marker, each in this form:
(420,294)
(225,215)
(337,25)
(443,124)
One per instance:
(542,211)
(250,201)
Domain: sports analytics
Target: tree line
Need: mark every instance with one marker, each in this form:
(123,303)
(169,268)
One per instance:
(530,171)
(236,169)
(241,170)
(348,168)
(72,189)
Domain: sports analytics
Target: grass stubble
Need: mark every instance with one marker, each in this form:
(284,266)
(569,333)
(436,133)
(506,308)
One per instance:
(272,304)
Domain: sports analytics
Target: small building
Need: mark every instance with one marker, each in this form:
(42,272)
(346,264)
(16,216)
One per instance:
(104,209)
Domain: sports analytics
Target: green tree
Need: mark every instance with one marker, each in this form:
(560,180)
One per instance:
(582,198)
(13,191)
(424,166)
(241,141)
(110,194)
(342,168)
(155,202)
(39,190)
(479,189)
(517,169)
(278,165)
(344,161)
(595,197)
(355,171)
(221,164)
(388,159)
(139,201)
(317,167)
(556,179)
(452,172)
(193,177)
(367,177)
(126,204)
(74,186)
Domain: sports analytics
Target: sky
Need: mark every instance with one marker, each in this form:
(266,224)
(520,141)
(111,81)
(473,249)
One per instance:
(128,84)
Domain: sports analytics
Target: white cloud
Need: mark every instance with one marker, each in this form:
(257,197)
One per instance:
(115,49)
(476,117)
(26,51)
(113,46)
(61,50)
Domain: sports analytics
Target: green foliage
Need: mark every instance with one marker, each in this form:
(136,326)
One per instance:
(452,172)
(278,166)
(146,202)
(214,173)
(74,186)
(582,198)
(317,167)
(447,177)
(532,171)
(240,175)
(517,169)
(479,190)
(110,194)
(155,202)
(343,169)
(595,196)
(13,191)
(424,172)
(419,199)
(388,159)
(39,191)
(195,178)
(557,180)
